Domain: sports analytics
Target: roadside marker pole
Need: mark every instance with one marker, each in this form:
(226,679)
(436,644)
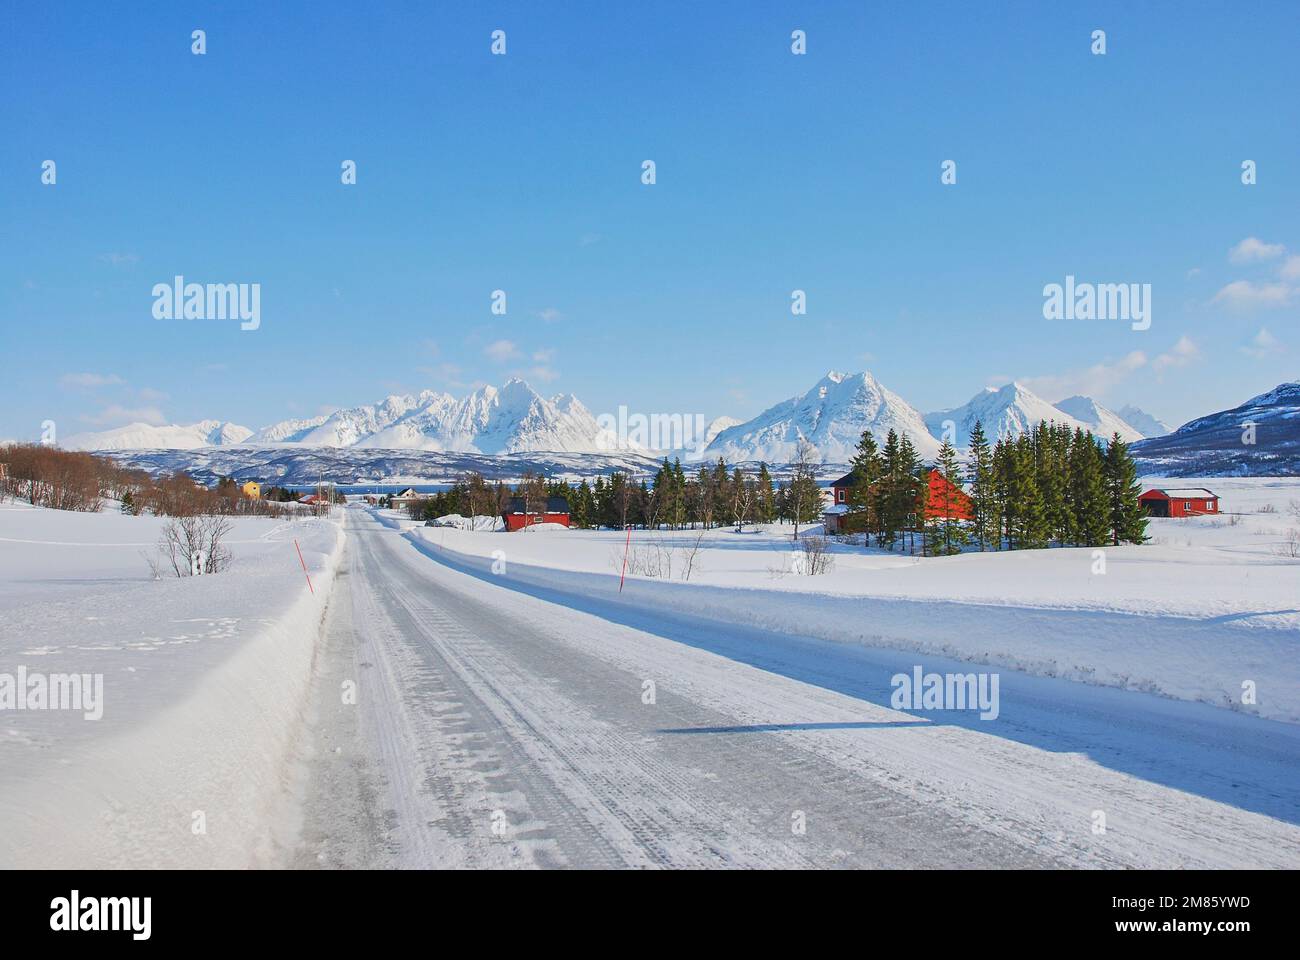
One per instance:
(304,567)
(624,573)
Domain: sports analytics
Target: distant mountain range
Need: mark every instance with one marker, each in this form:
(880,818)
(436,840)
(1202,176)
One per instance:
(144,436)
(515,420)
(1261,437)
(511,419)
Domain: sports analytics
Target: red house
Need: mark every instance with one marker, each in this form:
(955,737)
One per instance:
(517,516)
(946,499)
(1179,502)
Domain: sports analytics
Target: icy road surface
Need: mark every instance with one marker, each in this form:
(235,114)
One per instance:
(497,728)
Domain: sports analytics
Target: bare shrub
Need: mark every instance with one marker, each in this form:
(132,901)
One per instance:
(196,542)
(817,556)
(1268,508)
(1290,545)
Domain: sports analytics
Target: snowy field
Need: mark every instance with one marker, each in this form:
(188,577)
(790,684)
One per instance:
(1208,605)
(203,680)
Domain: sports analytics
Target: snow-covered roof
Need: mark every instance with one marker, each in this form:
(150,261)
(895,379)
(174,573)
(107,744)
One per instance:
(1184,493)
(836,510)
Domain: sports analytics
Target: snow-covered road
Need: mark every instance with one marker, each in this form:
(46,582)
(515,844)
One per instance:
(497,725)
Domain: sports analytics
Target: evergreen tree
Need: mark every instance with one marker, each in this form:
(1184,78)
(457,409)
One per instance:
(765,508)
(911,489)
(868,466)
(1090,507)
(1051,481)
(945,509)
(890,501)
(983,494)
(1128,522)
(1030,518)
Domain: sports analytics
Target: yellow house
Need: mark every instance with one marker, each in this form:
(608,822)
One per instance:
(252,490)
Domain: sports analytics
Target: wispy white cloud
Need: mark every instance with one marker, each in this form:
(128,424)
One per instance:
(90,381)
(543,373)
(502,350)
(1093,381)
(1252,249)
(1182,353)
(1246,294)
(118,259)
(118,415)
(1262,344)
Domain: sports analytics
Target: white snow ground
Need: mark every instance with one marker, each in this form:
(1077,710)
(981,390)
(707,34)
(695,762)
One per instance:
(204,681)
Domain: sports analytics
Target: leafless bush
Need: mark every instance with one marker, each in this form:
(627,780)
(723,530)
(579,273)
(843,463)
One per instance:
(1290,545)
(817,556)
(1268,508)
(196,542)
(691,553)
(657,559)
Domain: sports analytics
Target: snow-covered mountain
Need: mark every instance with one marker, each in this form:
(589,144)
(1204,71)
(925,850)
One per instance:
(144,436)
(1143,422)
(1004,412)
(717,425)
(1259,438)
(509,419)
(831,416)
(1102,422)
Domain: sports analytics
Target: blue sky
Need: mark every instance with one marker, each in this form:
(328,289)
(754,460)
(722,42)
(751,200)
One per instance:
(775,172)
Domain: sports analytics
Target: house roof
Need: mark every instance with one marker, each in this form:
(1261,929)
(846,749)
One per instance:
(1183,493)
(408,493)
(553,505)
(844,481)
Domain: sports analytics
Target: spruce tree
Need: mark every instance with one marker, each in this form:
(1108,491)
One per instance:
(765,509)
(954,534)
(1128,522)
(911,488)
(888,498)
(868,465)
(980,477)
(1091,508)
(1030,520)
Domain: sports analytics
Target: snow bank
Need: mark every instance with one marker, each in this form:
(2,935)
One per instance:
(205,681)
(459,522)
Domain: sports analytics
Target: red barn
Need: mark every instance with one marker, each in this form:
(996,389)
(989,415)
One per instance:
(946,498)
(1179,502)
(517,516)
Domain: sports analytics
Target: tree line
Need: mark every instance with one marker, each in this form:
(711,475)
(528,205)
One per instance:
(46,476)
(1049,486)
(713,495)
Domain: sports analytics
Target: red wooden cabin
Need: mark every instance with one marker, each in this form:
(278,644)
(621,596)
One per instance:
(1179,502)
(958,504)
(517,516)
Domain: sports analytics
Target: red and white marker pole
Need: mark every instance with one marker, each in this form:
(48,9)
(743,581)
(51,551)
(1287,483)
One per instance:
(304,567)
